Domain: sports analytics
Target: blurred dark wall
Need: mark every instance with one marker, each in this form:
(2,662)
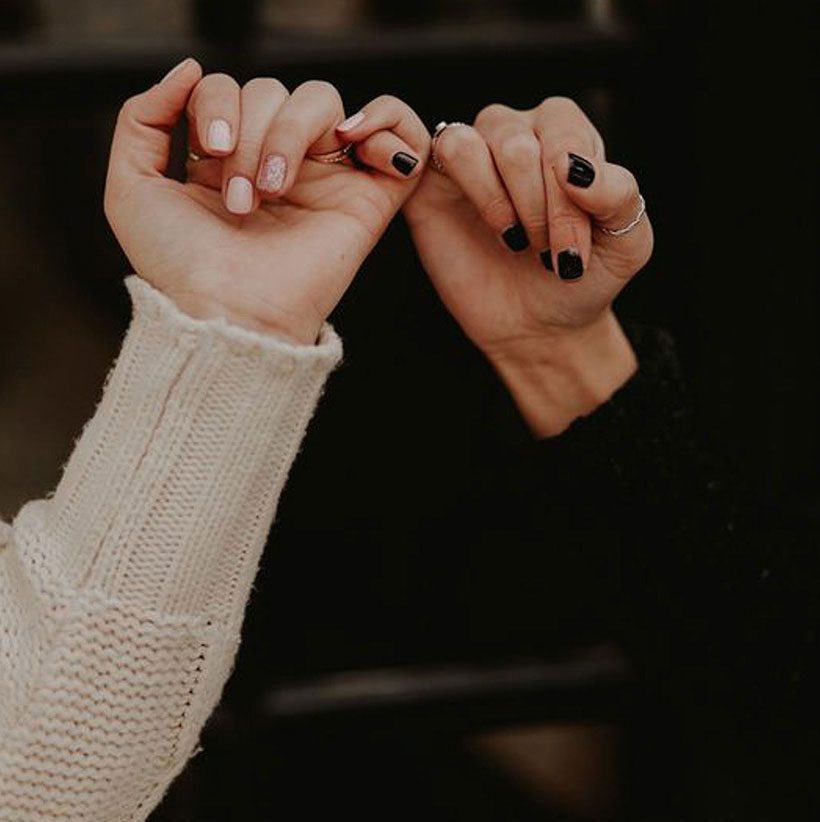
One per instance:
(712,108)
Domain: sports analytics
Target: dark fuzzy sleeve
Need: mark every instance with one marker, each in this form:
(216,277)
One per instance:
(717,593)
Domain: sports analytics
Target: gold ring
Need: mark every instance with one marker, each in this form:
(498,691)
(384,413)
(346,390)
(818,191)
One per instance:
(338,155)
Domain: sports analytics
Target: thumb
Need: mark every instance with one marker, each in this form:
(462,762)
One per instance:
(142,138)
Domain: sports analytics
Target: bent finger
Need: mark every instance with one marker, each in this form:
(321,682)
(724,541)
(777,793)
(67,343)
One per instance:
(305,122)
(388,113)
(213,113)
(386,152)
(469,164)
(260,99)
(569,229)
(517,155)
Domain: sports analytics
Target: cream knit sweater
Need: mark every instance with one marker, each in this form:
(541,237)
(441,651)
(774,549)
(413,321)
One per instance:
(122,594)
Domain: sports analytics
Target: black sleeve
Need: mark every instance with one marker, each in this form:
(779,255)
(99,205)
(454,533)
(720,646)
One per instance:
(716,593)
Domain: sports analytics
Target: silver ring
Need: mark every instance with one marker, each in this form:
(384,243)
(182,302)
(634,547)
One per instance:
(619,232)
(338,155)
(193,157)
(439,130)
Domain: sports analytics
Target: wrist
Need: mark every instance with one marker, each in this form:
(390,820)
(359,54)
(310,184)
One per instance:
(558,376)
(200,306)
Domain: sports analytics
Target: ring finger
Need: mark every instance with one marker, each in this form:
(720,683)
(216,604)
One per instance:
(306,121)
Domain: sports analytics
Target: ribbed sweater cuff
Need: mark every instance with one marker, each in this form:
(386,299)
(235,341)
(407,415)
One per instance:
(169,494)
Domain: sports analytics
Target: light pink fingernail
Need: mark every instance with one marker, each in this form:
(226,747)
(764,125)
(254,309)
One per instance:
(272,174)
(219,135)
(239,195)
(351,122)
(176,69)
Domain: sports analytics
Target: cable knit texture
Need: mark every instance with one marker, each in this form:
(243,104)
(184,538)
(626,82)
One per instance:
(122,595)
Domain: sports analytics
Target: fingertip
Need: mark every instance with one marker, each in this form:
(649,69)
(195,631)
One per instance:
(351,123)
(575,171)
(405,163)
(219,137)
(272,176)
(188,69)
(239,195)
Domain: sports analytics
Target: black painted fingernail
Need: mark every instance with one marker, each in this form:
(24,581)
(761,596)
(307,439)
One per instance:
(581,172)
(404,162)
(546,259)
(516,238)
(570,265)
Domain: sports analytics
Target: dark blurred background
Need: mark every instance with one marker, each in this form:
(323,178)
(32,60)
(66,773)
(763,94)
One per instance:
(349,694)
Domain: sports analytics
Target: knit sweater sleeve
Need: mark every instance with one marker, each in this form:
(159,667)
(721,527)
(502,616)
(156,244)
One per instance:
(122,594)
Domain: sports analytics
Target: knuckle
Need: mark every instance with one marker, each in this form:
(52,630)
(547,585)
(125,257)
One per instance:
(497,210)
(319,88)
(564,213)
(492,114)
(561,106)
(519,150)
(218,78)
(535,224)
(562,140)
(264,85)
(387,100)
(459,143)
(128,109)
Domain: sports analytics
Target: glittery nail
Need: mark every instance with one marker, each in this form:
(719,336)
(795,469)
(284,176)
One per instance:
(273,173)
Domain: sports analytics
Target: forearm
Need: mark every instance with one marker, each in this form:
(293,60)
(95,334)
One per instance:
(123,594)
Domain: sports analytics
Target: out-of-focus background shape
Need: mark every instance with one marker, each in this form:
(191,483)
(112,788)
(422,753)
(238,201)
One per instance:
(345,698)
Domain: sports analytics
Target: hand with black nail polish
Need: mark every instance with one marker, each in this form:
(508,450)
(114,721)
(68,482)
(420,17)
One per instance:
(510,233)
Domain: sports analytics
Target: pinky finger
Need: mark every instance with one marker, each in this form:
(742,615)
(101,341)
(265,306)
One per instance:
(386,152)
(387,113)
(609,194)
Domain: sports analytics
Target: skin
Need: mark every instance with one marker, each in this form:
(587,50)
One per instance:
(556,344)
(282,266)
(279,261)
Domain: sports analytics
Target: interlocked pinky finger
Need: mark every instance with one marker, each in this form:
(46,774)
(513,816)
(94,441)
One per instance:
(468,162)
(386,152)
(387,113)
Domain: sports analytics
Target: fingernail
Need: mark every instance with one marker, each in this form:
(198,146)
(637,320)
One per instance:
(581,173)
(176,69)
(351,121)
(239,195)
(404,162)
(570,265)
(219,135)
(546,259)
(273,173)
(516,238)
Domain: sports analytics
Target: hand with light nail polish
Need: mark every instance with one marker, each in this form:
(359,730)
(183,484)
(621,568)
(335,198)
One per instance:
(260,233)
(511,236)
